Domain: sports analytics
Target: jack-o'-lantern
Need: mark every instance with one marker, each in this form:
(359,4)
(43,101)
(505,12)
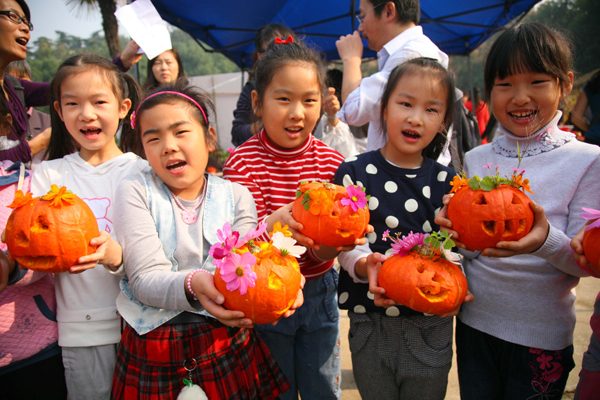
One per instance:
(50,233)
(331,215)
(591,239)
(485,212)
(261,279)
(418,275)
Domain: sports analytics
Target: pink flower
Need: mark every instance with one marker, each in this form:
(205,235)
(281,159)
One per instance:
(385,235)
(253,234)
(594,215)
(228,242)
(487,165)
(230,149)
(356,198)
(403,246)
(237,272)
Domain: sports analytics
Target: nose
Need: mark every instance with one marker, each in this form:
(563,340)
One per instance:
(87,113)
(24,27)
(415,118)
(296,111)
(170,146)
(521,96)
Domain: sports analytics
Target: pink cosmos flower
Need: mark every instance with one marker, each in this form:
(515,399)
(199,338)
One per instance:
(253,234)
(228,242)
(403,246)
(356,198)
(237,272)
(594,215)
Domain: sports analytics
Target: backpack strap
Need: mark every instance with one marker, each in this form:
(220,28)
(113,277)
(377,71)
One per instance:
(20,90)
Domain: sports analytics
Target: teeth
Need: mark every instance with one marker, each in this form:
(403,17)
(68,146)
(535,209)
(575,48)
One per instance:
(523,114)
(176,165)
(22,41)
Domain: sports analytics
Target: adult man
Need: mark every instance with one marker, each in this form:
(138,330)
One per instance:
(390,27)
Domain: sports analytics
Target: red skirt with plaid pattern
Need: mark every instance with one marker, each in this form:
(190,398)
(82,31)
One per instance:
(231,363)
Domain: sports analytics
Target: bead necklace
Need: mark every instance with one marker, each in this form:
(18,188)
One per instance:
(189,215)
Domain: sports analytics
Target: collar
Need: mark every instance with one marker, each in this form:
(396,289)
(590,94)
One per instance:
(268,145)
(29,111)
(546,139)
(397,43)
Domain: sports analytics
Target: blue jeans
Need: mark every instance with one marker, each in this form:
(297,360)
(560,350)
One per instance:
(307,345)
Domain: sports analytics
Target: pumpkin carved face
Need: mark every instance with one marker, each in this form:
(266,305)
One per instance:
(484,218)
(275,289)
(326,212)
(50,233)
(425,285)
(591,248)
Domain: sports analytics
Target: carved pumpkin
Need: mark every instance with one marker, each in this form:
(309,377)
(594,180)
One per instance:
(591,248)
(325,219)
(484,218)
(50,233)
(425,285)
(275,289)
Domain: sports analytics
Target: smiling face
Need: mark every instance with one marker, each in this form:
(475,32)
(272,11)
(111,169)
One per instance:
(291,105)
(414,115)
(176,147)
(165,68)
(13,37)
(91,112)
(525,102)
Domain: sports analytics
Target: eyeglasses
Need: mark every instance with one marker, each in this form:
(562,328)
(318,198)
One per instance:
(17,19)
(360,19)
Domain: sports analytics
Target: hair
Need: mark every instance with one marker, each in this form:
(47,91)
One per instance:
(266,33)
(122,85)
(281,55)
(157,97)
(19,69)
(5,124)
(25,9)
(407,11)
(434,70)
(594,83)
(334,79)
(151,82)
(529,47)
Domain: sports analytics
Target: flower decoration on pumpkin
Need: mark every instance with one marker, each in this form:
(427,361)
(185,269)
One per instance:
(320,201)
(286,245)
(283,229)
(236,270)
(492,182)
(424,244)
(357,198)
(59,197)
(21,199)
(593,215)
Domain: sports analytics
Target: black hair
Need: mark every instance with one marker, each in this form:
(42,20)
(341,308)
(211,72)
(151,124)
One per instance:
(334,79)
(184,87)
(25,9)
(151,82)
(406,10)
(123,86)
(266,33)
(531,47)
(593,83)
(280,55)
(19,69)
(434,70)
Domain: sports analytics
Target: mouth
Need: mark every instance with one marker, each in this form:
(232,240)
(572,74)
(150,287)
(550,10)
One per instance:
(523,115)
(22,41)
(411,135)
(294,131)
(90,132)
(176,166)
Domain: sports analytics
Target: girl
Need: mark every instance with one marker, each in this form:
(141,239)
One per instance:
(91,97)
(515,341)
(288,97)
(399,353)
(166,221)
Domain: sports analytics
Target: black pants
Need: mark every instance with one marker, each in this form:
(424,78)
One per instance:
(491,368)
(42,380)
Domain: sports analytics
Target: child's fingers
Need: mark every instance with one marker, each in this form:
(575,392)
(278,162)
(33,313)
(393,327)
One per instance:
(100,240)
(382,300)
(79,268)
(468,298)
(226,317)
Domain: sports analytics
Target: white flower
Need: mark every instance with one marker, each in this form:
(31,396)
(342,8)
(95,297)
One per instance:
(286,245)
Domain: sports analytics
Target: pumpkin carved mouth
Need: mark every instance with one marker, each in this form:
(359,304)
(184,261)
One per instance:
(44,262)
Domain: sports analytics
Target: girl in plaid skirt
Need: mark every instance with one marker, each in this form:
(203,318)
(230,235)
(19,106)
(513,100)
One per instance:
(166,221)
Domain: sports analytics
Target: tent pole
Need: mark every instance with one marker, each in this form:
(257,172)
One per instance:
(353,14)
(471,88)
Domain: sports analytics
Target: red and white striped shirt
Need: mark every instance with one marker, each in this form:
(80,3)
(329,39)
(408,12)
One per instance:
(273,175)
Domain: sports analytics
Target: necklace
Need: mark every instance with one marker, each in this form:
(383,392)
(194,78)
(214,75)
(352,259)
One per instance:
(189,215)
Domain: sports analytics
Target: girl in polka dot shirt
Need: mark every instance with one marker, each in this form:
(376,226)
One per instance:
(398,352)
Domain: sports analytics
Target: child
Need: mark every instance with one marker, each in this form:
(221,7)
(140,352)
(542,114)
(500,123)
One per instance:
(515,341)
(91,97)
(166,221)
(399,353)
(288,97)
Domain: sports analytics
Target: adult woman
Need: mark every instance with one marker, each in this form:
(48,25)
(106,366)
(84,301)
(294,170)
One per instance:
(163,69)
(589,96)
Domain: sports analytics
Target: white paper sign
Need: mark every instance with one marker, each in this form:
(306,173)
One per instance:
(146,27)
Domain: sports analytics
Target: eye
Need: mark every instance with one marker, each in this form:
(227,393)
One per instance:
(283,98)
(405,104)
(433,110)
(539,81)
(312,100)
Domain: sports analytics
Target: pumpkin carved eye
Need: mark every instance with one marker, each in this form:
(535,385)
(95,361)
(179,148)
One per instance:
(41,224)
(480,199)
(21,239)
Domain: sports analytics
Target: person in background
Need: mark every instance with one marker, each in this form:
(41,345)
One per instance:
(245,123)
(589,97)
(481,113)
(163,69)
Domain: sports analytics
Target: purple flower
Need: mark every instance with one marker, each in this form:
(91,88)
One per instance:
(594,215)
(403,246)
(356,198)
(228,242)
(237,272)
(253,234)
(487,165)
(385,235)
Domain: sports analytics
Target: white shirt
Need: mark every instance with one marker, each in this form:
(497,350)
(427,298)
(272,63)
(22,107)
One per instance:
(362,105)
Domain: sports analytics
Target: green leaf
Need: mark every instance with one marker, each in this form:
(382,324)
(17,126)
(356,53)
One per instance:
(449,243)
(486,187)
(306,205)
(474,183)
(187,382)
(298,193)
(427,239)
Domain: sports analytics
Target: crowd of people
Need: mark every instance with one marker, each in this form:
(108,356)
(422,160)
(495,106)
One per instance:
(142,315)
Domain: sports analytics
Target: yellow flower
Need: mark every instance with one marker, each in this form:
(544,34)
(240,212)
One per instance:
(58,196)
(321,201)
(21,199)
(523,184)
(458,182)
(277,228)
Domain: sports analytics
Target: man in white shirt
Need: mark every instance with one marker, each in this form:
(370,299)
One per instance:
(390,27)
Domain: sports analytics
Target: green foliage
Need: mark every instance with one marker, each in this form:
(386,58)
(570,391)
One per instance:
(438,240)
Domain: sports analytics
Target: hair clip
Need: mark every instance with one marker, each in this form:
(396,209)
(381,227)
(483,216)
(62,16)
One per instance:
(132,120)
(289,39)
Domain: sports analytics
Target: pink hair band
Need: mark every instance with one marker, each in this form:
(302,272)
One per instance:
(185,96)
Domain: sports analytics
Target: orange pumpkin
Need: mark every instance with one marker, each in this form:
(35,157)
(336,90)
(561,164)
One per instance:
(50,233)
(274,291)
(328,221)
(484,218)
(591,248)
(425,285)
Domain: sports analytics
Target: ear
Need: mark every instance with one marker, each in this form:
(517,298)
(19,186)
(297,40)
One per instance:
(389,11)
(124,109)
(567,86)
(9,119)
(58,110)
(212,144)
(255,107)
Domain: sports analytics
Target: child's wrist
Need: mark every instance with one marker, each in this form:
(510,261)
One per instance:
(188,282)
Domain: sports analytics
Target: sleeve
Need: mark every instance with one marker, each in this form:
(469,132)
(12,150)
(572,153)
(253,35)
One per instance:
(117,61)
(146,265)
(235,170)
(36,94)
(242,117)
(21,152)
(40,181)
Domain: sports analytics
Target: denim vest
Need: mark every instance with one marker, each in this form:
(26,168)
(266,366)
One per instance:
(218,209)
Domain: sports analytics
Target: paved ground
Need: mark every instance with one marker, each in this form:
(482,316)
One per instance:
(586,294)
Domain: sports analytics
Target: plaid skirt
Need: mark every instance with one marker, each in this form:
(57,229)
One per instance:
(230,363)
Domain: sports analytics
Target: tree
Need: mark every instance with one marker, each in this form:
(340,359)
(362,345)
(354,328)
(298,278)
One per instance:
(109,21)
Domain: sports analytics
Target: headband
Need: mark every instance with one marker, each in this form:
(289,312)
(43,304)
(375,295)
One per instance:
(185,96)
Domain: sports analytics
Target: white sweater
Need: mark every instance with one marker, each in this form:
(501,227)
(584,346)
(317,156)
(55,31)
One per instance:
(86,309)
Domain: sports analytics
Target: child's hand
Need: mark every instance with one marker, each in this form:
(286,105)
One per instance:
(528,243)
(331,106)
(284,215)
(297,304)
(203,285)
(468,298)
(577,246)
(108,253)
(446,225)
(370,267)
(4,270)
